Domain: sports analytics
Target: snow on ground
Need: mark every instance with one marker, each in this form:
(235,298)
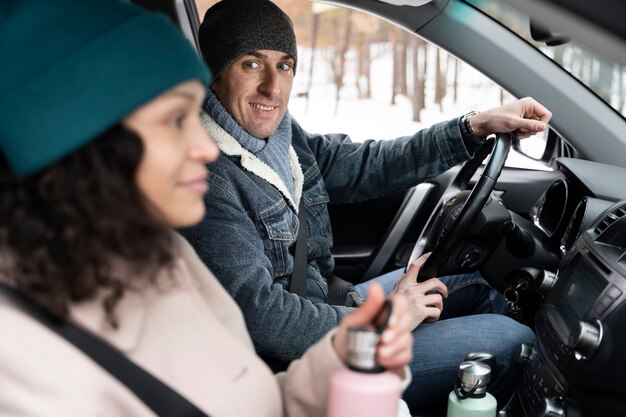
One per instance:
(376,118)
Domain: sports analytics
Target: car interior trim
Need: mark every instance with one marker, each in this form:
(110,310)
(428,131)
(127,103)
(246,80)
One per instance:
(413,203)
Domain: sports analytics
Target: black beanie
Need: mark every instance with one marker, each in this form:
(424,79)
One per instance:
(233,28)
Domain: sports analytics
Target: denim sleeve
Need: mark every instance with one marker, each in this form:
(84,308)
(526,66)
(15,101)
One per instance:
(282,325)
(360,171)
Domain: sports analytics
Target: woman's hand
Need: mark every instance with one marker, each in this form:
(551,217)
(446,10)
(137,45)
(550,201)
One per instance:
(423,306)
(395,349)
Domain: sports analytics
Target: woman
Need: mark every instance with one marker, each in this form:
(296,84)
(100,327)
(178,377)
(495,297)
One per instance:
(102,154)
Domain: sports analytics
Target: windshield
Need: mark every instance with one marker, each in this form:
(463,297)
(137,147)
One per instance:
(605,78)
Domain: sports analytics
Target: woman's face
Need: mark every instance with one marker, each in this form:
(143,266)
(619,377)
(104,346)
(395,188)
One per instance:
(172,173)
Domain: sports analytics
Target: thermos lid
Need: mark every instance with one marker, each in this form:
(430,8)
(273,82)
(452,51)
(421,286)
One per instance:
(362,344)
(474,377)
(483,357)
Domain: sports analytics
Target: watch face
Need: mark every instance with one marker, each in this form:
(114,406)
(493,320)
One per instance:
(467,125)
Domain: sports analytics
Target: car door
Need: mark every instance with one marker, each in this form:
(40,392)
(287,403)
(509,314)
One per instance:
(376,236)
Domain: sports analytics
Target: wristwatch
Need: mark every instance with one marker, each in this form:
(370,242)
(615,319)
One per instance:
(466,124)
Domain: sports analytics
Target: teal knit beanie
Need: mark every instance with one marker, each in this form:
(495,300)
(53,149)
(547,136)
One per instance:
(71,69)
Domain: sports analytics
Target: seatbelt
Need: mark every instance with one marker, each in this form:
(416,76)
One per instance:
(337,287)
(301,258)
(338,291)
(155,394)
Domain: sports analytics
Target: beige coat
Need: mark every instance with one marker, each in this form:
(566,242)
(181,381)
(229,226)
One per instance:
(192,336)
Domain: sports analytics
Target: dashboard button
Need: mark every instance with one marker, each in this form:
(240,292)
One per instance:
(614,292)
(602,305)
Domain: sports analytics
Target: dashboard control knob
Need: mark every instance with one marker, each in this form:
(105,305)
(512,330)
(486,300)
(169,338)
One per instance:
(518,241)
(585,339)
(526,354)
(540,280)
(553,407)
(544,282)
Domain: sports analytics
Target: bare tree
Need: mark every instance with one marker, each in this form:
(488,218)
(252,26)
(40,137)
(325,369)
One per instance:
(366,29)
(455,82)
(586,68)
(399,41)
(364,81)
(602,80)
(339,59)
(314,34)
(404,50)
(559,54)
(418,98)
(440,81)
(395,54)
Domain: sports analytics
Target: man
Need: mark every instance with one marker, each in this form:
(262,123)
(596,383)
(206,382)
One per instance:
(269,163)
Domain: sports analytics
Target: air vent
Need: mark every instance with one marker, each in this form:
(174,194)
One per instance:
(609,219)
(610,233)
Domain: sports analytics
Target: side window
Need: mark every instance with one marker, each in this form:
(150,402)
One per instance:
(360,75)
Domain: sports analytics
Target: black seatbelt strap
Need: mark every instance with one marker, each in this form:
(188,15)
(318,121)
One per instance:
(159,397)
(337,288)
(301,259)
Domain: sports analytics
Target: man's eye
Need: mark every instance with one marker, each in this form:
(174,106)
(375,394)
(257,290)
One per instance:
(252,65)
(284,67)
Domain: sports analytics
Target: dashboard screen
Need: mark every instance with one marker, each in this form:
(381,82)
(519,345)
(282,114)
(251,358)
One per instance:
(584,285)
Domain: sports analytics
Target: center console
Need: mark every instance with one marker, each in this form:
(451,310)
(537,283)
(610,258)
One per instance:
(578,365)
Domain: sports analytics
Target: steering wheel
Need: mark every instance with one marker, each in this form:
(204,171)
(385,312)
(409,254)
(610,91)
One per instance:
(450,221)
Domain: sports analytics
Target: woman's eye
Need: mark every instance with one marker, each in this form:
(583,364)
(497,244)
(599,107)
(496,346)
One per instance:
(177,122)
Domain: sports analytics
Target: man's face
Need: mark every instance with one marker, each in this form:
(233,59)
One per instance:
(255,90)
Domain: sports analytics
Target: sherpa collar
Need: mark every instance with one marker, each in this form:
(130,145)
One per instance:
(229,146)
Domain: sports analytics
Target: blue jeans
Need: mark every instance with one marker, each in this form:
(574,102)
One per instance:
(472,320)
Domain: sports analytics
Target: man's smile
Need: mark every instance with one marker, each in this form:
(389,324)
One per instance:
(262,107)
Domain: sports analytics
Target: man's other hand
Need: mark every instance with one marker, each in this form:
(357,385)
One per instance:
(425,298)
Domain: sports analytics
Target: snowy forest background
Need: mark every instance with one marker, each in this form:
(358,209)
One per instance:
(361,75)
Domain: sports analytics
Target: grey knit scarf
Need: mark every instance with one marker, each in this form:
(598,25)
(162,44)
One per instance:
(273,151)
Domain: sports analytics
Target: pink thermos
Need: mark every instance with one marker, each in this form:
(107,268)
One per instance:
(364,389)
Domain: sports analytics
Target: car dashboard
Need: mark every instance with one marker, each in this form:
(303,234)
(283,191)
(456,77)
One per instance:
(576,366)
(572,203)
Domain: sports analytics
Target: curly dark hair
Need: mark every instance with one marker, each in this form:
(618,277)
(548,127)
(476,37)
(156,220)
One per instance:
(63,227)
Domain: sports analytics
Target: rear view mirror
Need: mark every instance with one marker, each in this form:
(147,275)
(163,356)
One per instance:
(406,2)
(541,33)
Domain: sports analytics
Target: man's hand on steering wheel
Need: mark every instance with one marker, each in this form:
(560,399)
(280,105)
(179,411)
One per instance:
(520,118)
(523,118)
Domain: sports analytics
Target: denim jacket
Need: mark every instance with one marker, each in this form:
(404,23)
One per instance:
(248,234)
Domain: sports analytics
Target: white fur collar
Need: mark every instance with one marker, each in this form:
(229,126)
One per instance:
(229,146)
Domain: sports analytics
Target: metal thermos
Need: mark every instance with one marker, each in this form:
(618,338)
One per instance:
(470,398)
